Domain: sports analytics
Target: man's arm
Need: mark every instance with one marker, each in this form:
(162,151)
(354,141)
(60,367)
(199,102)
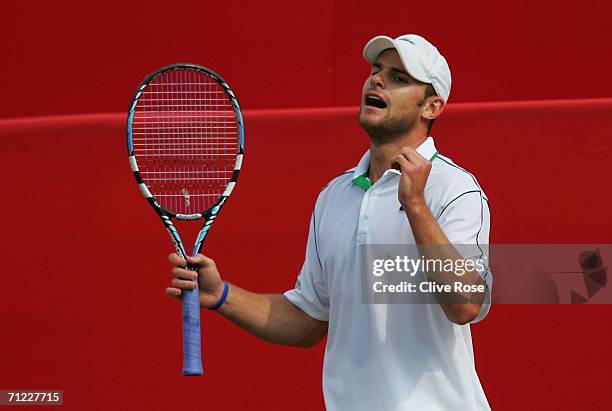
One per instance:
(271,317)
(430,238)
(434,245)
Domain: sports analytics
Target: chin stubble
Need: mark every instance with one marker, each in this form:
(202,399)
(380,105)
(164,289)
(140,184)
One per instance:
(387,130)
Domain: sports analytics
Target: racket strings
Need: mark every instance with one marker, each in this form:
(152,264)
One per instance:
(185,137)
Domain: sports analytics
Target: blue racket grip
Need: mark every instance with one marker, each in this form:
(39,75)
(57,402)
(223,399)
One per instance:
(192,341)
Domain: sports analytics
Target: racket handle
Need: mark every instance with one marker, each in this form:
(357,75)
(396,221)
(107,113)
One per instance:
(192,344)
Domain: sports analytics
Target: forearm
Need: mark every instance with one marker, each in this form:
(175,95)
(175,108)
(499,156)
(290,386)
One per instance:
(434,245)
(272,318)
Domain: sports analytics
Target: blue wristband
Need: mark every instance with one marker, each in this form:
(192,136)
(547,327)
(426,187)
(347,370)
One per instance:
(223,297)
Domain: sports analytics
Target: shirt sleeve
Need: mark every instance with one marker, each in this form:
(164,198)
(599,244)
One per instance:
(311,293)
(466,223)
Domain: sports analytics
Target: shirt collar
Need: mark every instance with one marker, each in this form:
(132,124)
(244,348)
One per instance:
(427,149)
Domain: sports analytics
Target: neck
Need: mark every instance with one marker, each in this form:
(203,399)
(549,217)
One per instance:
(381,155)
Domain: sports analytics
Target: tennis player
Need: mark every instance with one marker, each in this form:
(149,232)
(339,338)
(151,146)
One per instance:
(380,356)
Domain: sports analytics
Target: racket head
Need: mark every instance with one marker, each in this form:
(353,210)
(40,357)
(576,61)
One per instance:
(185,139)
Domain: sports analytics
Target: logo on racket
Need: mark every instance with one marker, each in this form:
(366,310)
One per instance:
(187,197)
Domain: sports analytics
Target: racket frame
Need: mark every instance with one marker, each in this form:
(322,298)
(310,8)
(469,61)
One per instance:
(192,351)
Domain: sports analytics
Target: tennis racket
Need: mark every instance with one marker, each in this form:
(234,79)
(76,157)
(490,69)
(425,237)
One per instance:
(185,141)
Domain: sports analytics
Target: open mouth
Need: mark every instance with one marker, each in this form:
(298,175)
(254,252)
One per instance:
(375,101)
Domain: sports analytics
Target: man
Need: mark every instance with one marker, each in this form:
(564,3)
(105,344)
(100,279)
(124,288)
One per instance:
(380,356)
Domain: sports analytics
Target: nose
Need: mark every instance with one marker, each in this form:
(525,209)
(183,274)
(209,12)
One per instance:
(376,80)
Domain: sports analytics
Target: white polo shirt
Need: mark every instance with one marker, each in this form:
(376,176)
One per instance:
(390,356)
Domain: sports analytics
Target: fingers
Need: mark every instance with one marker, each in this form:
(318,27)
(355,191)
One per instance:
(412,155)
(185,278)
(201,261)
(184,273)
(183,284)
(408,160)
(401,163)
(176,260)
(174,292)
(198,260)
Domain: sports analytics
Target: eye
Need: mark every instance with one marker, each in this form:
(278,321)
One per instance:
(398,78)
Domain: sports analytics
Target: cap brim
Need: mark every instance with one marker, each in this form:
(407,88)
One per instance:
(409,56)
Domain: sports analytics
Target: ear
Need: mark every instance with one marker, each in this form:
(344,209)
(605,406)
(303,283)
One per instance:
(433,107)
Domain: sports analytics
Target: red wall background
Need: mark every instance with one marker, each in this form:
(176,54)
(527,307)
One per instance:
(83,271)
(70,56)
(80,270)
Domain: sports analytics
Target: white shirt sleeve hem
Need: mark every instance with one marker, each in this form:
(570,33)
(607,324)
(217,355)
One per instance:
(298,300)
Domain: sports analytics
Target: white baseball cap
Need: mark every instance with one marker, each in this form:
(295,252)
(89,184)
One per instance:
(421,59)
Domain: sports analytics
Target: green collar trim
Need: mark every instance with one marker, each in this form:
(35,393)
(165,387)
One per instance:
(364,182)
